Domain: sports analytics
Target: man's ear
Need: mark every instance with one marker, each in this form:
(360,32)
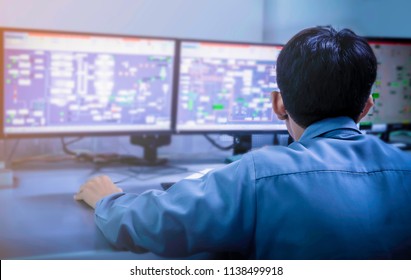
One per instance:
(368,105)
(278,106)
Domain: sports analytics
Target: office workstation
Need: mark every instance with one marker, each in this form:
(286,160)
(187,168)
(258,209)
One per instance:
(150,91)
(71,85)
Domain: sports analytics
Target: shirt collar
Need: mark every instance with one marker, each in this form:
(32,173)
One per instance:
(326,125)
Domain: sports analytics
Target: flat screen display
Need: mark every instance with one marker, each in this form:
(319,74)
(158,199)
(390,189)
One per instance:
(226,87)
(57,83)
(392,88)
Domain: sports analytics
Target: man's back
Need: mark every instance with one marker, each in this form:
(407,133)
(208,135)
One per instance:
(335,194)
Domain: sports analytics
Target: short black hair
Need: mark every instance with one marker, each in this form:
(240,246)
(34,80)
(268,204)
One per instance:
(322,73)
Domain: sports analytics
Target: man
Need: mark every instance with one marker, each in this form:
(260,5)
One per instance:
(332,194)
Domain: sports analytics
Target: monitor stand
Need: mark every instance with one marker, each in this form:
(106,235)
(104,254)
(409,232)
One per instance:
(241,145)
(385,136)
(150,144)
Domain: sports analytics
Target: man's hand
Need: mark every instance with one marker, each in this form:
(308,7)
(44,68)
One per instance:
(95,189)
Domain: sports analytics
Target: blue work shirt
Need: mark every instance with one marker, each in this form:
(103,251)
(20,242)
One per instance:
(334,194)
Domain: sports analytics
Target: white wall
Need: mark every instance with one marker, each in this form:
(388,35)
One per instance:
(284,18)
(385,18)
(239,20)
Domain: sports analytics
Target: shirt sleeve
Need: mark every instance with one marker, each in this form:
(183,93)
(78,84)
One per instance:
(214,213)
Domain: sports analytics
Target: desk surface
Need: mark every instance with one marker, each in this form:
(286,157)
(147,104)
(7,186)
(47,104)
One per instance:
(40,219)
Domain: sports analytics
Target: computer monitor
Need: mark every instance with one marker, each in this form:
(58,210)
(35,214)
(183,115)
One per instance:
(392,88)
(64,83)
(225,87)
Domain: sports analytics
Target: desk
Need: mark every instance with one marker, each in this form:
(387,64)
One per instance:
(41,220)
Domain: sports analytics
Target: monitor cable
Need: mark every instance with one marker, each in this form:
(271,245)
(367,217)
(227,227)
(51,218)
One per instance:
(218,146)
(101,159)
(9,157)
(81,156)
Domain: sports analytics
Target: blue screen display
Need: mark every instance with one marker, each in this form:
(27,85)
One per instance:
(226,87)
(392,88)
(70,83)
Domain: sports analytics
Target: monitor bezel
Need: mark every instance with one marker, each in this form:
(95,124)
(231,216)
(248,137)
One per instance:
(166,131)
(222,130)
(388,126)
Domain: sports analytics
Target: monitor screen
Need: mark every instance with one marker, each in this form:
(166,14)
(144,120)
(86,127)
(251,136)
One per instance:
(392,88)
(226,87)
(60,83)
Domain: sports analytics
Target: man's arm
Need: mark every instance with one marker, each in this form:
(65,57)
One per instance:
(215,213)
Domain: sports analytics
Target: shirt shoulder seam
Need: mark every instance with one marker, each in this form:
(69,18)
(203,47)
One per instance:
(334,171)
